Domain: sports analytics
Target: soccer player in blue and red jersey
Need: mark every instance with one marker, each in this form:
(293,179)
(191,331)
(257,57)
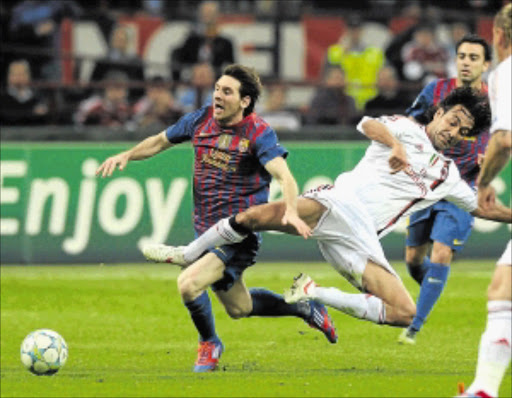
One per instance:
(236,155)
(444,225)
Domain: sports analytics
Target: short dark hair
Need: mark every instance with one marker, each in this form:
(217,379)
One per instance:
(475,39)
(250,84)
(474,101)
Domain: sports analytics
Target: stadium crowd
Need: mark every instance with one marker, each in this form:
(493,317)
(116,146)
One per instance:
(356,76)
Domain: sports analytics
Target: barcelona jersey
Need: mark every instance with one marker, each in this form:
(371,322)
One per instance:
(465,153)
(229,173)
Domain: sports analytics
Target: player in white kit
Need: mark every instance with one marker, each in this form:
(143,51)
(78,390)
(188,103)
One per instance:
(495,345)
(401,172)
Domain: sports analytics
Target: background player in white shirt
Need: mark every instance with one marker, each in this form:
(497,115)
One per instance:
(495,344)
(401,172)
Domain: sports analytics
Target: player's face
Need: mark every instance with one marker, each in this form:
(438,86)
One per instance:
(471,63)
(228,106)
(449,128)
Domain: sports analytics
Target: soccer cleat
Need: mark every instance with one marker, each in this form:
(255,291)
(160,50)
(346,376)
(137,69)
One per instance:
(302,289)
(408,336)
(462,394)
(161,253)
(208,355)
(320,319)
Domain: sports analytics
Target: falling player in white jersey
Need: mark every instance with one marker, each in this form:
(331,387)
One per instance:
(495,345)
(401,172)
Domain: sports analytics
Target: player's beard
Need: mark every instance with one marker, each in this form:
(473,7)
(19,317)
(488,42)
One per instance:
(229,118)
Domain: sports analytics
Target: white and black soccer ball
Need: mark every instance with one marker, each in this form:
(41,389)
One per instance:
(44,352)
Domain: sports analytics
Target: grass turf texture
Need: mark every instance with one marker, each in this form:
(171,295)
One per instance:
(129,335)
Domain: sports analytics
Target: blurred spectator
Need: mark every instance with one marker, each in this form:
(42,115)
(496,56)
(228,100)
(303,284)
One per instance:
(457,31)
(200,92)
(203,44)
(330,104)
(409,15)
(275,111)
(360,63)
(120,57)
(110,109)
(390,99)
(157,107)
(21,105)
(35,24)
(424,59)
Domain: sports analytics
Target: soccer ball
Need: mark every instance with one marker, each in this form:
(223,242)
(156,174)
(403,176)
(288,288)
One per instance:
(44,352)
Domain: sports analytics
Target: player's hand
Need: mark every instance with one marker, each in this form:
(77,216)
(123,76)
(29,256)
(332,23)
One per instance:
(480,159)
(291,218)
(398,158)
(486,197)
(109,165)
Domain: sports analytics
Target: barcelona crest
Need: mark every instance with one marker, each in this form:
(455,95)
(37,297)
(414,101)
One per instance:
(243,145)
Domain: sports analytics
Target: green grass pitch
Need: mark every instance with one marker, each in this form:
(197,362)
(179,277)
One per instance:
(130,336)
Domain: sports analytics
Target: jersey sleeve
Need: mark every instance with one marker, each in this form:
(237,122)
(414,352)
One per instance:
(463,196)
(267,146)
(398,125)
(183,129)
(423,101)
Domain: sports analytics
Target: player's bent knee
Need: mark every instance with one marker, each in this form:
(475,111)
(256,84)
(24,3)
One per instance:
(189,289)
(238,312)
(413,258)
(501,284)
(403,314)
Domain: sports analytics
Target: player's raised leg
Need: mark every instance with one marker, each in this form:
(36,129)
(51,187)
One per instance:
(233,230)
(241,302)
(386,301)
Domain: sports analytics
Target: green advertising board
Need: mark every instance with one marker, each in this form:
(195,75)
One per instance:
(55,210)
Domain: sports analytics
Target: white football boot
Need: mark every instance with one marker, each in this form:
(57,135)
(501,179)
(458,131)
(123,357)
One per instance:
(160,253)
(303,288)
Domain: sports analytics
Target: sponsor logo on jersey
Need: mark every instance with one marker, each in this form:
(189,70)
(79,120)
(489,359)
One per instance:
(457,242)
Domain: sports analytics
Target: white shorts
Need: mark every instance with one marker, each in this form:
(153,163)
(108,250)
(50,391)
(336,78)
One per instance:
(346,235)
(506,257)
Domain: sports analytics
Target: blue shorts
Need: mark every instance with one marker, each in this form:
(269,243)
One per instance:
(442,222)
(237,258)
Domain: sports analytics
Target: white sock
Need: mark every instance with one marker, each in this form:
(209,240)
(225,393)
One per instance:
(494,351)
(220,234)
(363,306)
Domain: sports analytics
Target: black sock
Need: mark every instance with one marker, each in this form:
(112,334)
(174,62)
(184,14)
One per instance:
(238,227)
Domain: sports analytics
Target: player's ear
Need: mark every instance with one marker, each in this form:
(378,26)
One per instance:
(246,101)
(486,65)
(439,113)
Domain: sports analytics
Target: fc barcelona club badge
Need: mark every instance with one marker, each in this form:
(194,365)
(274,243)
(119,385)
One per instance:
(243,145)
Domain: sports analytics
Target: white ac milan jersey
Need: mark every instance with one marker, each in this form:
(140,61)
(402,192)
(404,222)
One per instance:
(500,94)
(429,177)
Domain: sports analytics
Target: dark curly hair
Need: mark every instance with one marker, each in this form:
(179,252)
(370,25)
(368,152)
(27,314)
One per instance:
(473,100)
(250,83)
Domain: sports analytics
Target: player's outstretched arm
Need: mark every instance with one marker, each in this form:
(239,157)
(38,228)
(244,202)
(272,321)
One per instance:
(496,157)
(495,211)
(377,131)
(143,150)
(278,169)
